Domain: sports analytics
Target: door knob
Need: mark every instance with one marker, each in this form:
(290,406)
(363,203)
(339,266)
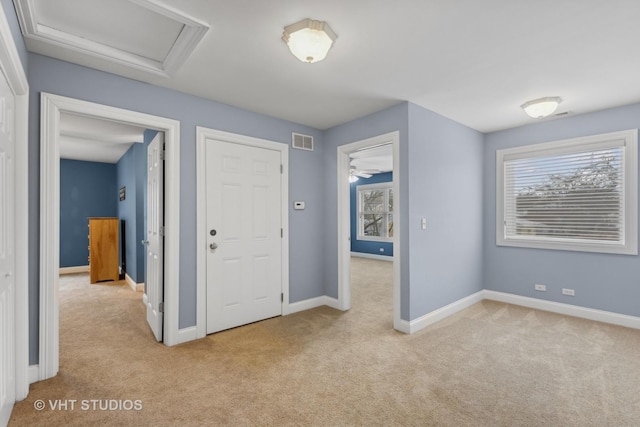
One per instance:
(213,246)
(145,242)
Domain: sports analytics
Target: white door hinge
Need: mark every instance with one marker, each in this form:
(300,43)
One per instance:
(161,307)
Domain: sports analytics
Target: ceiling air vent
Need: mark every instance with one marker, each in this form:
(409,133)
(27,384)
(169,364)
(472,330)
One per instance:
(302,142)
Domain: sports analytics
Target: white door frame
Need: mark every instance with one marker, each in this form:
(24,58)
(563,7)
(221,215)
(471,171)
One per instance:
(51,108)
(11,66)
(344,220)
(202,134)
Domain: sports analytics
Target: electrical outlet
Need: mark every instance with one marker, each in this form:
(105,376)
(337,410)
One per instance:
(569,292)
(541,288)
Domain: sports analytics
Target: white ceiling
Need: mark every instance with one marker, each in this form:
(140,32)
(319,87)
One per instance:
(475,62)
(95,140)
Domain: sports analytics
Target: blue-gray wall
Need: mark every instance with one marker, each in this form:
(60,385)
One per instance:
(87,189)
(14,25)
(128,168)
(306,274)
(367,246)
(601,281)
(441,180)
(132,174)
(445,187)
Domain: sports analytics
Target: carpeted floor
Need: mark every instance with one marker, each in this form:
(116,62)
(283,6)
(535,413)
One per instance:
(492,364)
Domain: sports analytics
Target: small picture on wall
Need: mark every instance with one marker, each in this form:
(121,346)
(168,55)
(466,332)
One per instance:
(122,193)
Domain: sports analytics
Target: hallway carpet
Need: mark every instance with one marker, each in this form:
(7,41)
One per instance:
(492,364)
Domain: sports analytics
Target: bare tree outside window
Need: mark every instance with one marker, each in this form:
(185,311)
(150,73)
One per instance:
(375,213)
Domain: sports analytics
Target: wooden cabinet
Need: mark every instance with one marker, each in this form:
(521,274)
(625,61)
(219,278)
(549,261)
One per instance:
(103,249)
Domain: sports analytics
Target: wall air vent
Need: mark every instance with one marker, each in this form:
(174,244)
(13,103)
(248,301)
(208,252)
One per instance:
(302,142)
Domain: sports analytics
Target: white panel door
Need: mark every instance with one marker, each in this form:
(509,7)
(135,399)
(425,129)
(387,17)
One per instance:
(244,242)
(154,278)
(7,254)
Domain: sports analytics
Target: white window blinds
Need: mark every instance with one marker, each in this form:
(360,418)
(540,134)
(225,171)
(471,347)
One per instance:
(576,194)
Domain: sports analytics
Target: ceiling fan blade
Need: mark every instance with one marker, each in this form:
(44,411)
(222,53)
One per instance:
(362,174)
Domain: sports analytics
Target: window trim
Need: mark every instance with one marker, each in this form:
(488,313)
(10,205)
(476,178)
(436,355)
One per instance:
(386,186)
(629,243)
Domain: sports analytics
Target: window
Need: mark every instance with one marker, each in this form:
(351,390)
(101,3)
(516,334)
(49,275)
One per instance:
(578,194)
(375,212)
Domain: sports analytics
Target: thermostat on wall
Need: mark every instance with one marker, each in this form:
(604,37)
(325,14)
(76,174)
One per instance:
(298,206)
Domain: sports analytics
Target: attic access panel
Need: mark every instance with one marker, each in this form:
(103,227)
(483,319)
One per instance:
(139,34)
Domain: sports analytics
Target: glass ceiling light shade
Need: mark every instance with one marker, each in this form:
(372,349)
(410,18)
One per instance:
(309,40)
(539,108)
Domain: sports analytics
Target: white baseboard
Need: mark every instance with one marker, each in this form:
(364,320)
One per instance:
(34,373)
(566,309)
(538,304)
(372,256)
(137,287)
(310,303)
(72,270)
(440,313)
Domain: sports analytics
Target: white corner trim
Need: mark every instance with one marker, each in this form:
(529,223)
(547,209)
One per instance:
(372,256)
(442,312)
(310,303)
(73,270)
(187,334)
(566,309)
(136,287)
(34,374)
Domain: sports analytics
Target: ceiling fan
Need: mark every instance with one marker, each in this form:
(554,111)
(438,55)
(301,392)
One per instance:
(362,173)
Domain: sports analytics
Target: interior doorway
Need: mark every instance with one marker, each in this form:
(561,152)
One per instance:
(52,107)
(346,173)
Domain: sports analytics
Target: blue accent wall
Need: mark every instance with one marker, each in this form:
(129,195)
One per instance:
(367,246)
(87,189)
(601,281)
(127,168)
(132,174)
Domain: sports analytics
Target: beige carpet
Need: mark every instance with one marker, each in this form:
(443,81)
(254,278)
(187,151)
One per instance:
(490,365)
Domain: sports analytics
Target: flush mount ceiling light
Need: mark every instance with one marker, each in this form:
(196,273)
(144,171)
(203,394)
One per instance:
(309,40)
(539,108)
